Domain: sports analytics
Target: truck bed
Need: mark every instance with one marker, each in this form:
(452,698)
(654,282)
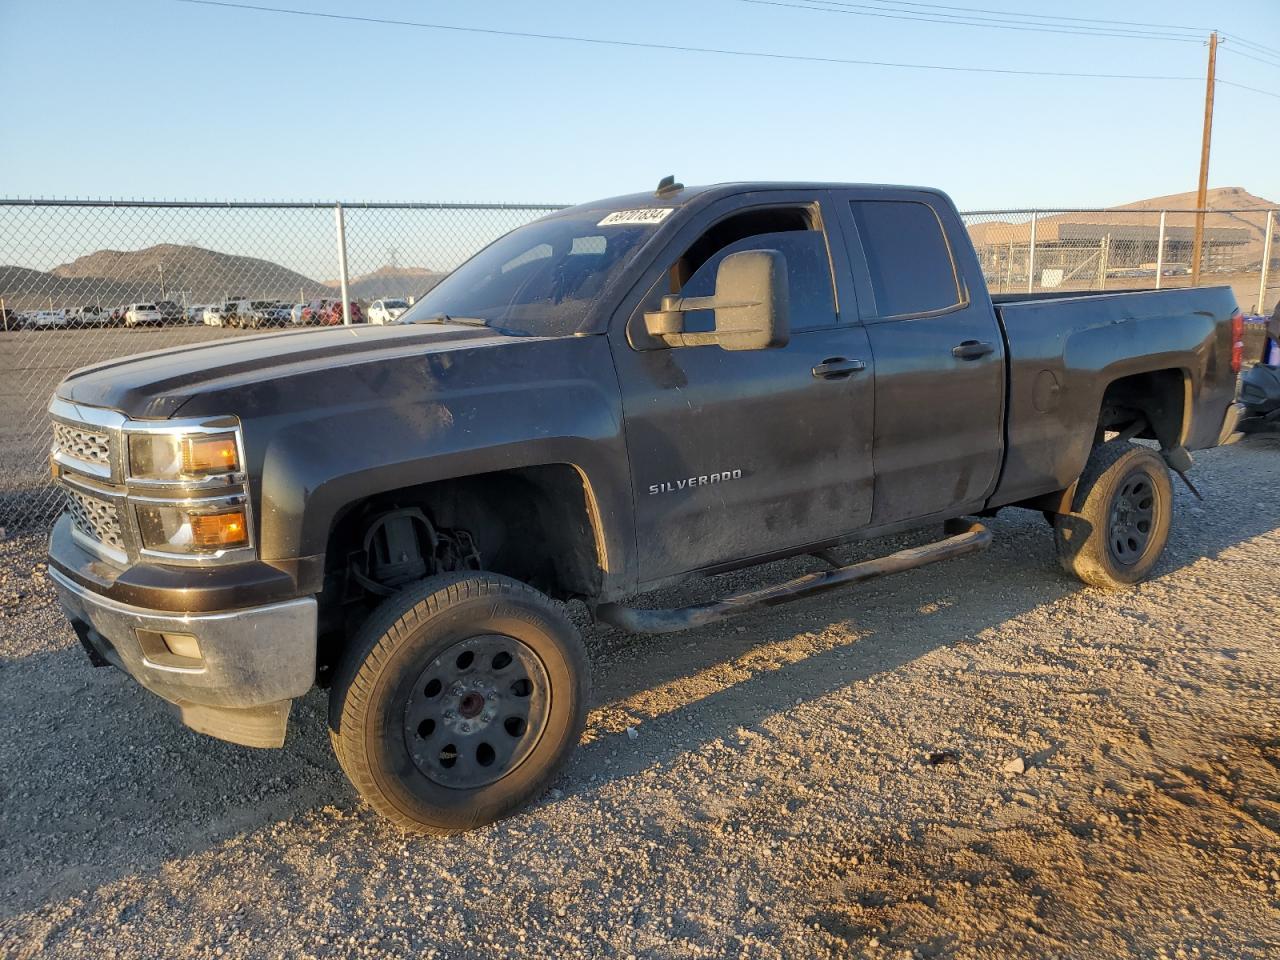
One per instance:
(1065,349)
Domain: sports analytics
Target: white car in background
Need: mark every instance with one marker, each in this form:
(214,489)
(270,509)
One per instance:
(46,319)
(295,314)
(91,316)
(215,315)
(387,310)
(140,313)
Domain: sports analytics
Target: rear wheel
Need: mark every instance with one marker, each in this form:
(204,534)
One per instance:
(458,701)
(1123,510)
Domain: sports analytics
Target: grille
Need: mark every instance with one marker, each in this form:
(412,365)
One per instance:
(97,519)
(82,444)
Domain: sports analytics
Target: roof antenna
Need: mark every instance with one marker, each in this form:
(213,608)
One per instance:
(667,187)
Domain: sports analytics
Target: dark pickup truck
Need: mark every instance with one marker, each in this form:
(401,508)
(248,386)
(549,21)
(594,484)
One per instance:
(617,397)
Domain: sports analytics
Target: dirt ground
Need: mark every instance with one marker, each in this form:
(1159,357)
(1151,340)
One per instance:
(980,759)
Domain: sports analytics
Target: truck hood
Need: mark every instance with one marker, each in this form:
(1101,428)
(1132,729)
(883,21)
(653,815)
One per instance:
(157,384)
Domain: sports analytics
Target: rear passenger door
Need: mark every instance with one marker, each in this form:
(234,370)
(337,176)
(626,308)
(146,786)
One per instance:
(939,355)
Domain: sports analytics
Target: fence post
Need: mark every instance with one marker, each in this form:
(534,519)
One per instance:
(1266,261)
(341,225)
(1031,254)
(1160,252)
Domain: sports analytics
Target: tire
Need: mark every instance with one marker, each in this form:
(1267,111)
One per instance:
(1120,519)
(432,727)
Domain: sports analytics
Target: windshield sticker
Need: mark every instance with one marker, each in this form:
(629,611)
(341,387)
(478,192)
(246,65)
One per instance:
(647,215)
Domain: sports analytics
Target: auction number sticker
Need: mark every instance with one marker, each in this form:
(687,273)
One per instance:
(646,215)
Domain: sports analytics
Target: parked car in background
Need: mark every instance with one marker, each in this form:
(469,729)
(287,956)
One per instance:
(387,310)
(46,319)
(215,315)
(313,309)
(137,314)
(90,316)
(331,316)
(295,313)
(170,312)
(195,312)
(254,314)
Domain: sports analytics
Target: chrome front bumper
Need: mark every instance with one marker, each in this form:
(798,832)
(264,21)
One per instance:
(251,662)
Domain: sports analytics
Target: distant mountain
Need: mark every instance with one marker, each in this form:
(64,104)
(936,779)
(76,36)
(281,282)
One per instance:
(402,282)
(1247,229)
(202,275)
(192,275)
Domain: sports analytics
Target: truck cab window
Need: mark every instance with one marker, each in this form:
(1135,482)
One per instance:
(912,270)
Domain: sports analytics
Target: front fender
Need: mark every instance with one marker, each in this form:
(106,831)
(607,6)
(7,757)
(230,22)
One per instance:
(473,415)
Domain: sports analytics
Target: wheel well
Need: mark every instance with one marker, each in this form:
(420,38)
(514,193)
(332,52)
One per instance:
(535,524)
(1159,397)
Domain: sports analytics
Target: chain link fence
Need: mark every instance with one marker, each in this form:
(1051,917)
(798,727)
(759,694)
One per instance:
(84,282)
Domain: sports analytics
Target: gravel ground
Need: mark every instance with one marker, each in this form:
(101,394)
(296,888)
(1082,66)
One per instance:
(980,759)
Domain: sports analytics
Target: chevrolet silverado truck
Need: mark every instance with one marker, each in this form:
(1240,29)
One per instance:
(615,398)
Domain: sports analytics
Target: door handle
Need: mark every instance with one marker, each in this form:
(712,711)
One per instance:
(972,349)
(837,368)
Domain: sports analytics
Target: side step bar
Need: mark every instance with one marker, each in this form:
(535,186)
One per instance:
(964,537)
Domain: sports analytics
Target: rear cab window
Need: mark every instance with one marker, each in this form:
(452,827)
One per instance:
(911,267)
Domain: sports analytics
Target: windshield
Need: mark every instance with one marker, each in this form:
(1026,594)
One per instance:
(540,279)
(395,305)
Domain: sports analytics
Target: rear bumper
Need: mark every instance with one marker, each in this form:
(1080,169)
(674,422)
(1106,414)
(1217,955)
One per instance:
(1230,431)
(251,662)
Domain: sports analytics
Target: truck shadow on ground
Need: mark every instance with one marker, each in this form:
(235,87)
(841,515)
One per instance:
(114,787)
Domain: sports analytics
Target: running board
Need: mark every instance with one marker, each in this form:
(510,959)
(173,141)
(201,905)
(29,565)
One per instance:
(964,537)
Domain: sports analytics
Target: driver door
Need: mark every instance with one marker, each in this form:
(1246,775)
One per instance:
(740,455)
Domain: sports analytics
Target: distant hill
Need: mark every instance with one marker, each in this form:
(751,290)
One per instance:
(1050,227)
(203,275)
(190,274)
(403,282)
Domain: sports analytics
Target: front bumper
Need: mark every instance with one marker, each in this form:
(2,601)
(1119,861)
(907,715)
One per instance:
(252,662)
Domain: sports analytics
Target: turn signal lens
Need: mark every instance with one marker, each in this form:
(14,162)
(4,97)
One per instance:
(216,531)
(209,454)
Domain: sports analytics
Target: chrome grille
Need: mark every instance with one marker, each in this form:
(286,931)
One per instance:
(96,518)
(87,445)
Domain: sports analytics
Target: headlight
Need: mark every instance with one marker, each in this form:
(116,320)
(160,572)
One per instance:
(169,456)
(188,491)
(193,530)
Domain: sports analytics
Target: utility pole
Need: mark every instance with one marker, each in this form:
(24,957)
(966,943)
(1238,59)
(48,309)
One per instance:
(1202,194)
(160,267)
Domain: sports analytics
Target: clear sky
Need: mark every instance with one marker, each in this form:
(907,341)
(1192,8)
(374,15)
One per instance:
(160,99)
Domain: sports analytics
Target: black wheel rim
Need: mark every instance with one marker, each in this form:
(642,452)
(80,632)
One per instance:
(477,711)
(1133,519)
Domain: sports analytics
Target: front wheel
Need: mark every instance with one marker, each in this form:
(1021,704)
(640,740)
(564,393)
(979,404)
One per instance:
(458,701)
(1121,516)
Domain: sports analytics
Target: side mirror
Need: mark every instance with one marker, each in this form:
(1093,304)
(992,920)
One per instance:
(750,303)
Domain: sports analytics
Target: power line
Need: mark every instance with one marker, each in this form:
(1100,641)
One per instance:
(1037,16)
(719,51)
(1249,56)
(858,10)
(1265,93)
(1269,51)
